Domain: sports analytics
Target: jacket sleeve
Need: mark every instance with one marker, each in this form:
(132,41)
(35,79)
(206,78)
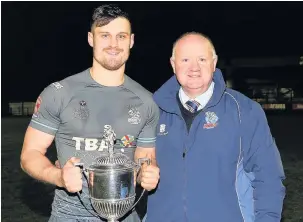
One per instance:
(262,159)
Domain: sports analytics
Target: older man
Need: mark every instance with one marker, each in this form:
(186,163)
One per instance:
(218,159)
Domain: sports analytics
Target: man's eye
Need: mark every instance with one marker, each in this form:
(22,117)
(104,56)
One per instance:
(184,60)
(122,36)
(104,35)
(202,59)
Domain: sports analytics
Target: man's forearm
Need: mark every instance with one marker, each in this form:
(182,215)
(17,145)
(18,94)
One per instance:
(40,168)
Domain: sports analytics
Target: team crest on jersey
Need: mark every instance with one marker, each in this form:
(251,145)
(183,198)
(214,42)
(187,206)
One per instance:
(211,120)
(82,111)
(134,115)
(37,107)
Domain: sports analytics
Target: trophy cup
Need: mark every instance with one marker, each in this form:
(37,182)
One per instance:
(111,181)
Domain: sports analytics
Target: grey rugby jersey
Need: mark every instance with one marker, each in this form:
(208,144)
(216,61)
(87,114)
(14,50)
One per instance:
(76,111)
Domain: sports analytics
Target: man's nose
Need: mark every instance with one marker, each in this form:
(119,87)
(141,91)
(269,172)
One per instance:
(113,42)
(194,66)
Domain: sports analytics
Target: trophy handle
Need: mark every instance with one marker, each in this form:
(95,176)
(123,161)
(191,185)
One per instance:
(84,170)
(140,162)
(81,165)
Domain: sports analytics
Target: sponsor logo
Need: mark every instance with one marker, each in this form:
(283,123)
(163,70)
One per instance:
(57,85)
(128,141)
(92,144)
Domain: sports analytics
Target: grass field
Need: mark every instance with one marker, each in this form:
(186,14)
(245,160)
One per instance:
(24,199)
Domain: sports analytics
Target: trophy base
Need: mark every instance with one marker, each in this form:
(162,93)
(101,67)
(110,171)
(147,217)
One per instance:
(112,210)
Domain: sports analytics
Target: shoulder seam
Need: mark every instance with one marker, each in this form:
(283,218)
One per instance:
(237,103)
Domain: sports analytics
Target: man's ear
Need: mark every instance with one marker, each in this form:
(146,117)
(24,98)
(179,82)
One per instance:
(215,64)
(90,39)
(132,40)
(173,65)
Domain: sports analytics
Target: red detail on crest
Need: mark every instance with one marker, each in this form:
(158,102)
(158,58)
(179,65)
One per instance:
(209,125)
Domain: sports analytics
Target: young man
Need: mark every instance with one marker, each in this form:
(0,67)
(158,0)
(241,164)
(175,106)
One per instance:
(218,160)
(75,112)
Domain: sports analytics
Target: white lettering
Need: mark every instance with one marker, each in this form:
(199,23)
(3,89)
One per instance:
(78,142)
(91,144)
(57,85)
(102,146)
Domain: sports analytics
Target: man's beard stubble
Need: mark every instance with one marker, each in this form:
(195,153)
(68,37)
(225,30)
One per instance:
(112,64)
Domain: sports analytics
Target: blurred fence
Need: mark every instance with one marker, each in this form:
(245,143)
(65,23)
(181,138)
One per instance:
(27,108)
(21,108)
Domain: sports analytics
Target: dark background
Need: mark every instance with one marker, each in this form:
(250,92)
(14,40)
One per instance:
(43,42)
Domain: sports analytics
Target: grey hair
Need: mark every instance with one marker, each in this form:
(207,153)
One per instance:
(215,56)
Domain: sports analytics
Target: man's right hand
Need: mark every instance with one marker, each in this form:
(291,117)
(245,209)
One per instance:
(71,176)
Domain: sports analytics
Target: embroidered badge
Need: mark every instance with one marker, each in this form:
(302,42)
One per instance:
(162,130)
(134,115)
(211,120)
(82,112)
(128,140)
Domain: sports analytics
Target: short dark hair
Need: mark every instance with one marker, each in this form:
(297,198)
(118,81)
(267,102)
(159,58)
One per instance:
(106,13)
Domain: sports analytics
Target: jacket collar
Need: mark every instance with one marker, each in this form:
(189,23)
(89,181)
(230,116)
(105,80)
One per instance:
(165,96)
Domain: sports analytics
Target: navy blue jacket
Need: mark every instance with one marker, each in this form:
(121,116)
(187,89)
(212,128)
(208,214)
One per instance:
(232,170)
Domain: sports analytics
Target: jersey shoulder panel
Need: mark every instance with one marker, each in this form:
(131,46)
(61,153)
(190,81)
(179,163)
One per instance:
(137,89)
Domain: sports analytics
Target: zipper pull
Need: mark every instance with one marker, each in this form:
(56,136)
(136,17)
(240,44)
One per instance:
(183,155)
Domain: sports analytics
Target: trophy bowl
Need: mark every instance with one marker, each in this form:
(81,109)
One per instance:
(111,182)
(112,186)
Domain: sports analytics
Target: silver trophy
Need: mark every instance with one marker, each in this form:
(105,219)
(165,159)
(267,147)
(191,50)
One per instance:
(111,181)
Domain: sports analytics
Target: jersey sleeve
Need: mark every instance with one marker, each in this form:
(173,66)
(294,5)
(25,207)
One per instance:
(147,137)
(46,116)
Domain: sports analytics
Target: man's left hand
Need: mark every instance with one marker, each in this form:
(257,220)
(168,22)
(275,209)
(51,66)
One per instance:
(149,176)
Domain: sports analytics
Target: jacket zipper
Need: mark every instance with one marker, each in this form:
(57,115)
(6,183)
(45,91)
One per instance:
(184,172)
(185,150)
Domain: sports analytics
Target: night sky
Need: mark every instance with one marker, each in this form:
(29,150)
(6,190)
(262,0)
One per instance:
(47,41)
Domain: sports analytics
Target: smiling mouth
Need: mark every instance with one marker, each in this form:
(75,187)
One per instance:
(112,52)
(194,76)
